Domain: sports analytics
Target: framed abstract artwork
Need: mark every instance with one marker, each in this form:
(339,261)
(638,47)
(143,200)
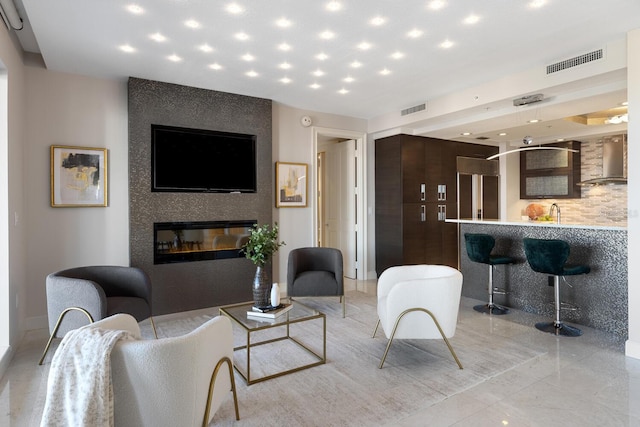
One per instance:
(291,185)
(78,176)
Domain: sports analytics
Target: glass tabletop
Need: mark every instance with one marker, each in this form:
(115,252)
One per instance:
(298,313)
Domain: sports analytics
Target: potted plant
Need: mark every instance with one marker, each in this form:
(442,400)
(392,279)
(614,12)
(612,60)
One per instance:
(262,244)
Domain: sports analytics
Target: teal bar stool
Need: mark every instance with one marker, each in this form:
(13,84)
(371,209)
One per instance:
(549,256)
(479,247)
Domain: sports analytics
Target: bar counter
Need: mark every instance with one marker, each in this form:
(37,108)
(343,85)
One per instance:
(601,295)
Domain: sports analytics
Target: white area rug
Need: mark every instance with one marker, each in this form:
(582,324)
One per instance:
(350,390)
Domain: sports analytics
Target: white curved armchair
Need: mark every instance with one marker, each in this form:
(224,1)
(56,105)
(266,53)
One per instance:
(419,302)
(178,381)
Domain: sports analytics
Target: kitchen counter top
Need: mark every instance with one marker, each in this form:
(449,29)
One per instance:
(536,224)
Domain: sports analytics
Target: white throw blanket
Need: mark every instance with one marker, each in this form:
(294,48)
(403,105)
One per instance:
(79,391)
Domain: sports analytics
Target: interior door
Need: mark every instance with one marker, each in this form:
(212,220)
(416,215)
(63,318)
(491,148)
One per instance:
(340,202)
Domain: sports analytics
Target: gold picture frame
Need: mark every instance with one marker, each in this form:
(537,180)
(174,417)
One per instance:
(291,185)
(78,176)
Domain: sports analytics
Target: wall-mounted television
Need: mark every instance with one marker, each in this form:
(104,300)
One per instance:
(197,160)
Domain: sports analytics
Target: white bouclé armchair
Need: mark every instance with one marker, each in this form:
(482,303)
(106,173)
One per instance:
(166,381)
(419,302)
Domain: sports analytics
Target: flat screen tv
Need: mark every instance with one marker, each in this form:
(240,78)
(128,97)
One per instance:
(196,160)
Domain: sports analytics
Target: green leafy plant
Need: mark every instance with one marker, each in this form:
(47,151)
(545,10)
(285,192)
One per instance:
(262,244)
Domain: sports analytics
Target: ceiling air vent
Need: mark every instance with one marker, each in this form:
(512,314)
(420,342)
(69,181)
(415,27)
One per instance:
(413,109)
(574,62)
(482,138)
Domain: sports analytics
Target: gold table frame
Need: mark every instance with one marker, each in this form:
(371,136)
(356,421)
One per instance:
(237,313)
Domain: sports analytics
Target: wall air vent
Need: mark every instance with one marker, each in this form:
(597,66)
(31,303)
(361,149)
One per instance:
(413,109)
(574,62)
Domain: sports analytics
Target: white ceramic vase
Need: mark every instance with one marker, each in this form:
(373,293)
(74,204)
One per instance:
(275,295)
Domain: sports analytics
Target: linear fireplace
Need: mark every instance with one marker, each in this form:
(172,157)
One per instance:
(199,241)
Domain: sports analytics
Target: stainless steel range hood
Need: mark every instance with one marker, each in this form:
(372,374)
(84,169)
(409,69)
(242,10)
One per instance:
(612,163)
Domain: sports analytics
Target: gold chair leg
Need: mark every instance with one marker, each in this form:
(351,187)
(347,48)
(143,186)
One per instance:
(57,326)
(376,329)
(395,327)
(207,411)
(153,325)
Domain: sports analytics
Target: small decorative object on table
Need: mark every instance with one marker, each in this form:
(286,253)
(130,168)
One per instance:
(270,312)
(262,244)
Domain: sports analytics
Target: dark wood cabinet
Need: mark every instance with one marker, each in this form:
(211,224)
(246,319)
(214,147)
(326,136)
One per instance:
(415,181)
(551,174)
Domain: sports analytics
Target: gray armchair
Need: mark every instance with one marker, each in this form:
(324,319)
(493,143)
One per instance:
(313,272)
(82,295)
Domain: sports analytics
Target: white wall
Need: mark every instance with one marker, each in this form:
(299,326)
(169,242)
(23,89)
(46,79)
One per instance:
(294,143)
(67,109)
(633,221)
(12,250)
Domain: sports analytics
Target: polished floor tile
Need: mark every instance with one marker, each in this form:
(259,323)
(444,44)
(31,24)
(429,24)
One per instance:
(583,381)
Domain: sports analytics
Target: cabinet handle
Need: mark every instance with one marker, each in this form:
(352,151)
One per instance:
(423,213)
(442,192)
(423,192)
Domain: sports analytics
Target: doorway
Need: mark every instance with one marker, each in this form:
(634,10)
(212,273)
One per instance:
(339,186)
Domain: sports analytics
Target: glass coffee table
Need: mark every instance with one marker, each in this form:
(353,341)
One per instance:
(299,313)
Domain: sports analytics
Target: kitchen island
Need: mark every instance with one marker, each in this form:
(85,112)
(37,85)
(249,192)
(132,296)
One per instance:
(601,295)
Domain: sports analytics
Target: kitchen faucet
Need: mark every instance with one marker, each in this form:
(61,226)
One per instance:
(555,205)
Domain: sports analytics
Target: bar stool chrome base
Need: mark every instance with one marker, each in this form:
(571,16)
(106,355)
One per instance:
(491,309)
(558,329)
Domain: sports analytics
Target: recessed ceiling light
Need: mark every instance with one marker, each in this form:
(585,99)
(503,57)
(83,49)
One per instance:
(157,37)
(465,133)
(251,73)
(285,66)
(234,8)
(192,23)
(284,47)
(397,55)
(215,66)
(205,48)
(348,79)
(471,19)
(624,103)
(533,121)
(536,4)
(415,33)
(327,35)
(343,91)
(385,71)
(283,23)
(502,134)
(285,80)
(334,6)
(174,58)
(135,9)
(318,73)
(437,4)
(248,57)
(559,139)
(315,86)
(446,44)
(364,46)
(355,64)
(322,56)
(127,48)
(377,21)
(241,36)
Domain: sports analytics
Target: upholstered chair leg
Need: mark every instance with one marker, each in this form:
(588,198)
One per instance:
(57,326)
(212,384)
(395,327)
(153,325)
(376,329)
(343,300)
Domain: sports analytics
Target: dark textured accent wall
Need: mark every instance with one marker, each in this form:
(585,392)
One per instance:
(193,285)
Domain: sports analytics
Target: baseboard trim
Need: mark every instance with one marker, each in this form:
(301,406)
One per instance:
(6,354)
(632,349)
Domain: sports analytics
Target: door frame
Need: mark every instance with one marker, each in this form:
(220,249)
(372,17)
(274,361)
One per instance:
(362,250)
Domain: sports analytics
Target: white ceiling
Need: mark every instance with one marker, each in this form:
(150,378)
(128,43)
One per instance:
(86,36)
